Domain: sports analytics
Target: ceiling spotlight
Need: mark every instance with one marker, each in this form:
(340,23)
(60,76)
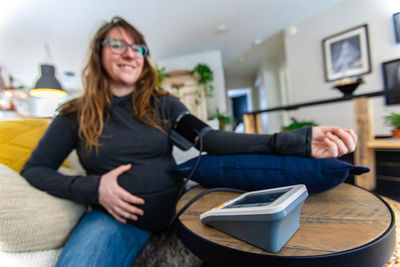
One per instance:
(222,28)
(291,30)
(257,41)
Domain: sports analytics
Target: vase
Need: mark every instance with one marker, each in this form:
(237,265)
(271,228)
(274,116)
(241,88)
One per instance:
(396,133)
(222,124)
(347,85)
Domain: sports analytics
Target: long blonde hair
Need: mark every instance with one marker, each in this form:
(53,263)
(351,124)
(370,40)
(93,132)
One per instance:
(94,105)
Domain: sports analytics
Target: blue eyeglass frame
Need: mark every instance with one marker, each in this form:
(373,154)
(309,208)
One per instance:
(125,45)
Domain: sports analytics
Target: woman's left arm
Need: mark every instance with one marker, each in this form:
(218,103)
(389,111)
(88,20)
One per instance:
(296,143)
(317,142)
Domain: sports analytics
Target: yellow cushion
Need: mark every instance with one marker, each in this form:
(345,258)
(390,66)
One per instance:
(17,140)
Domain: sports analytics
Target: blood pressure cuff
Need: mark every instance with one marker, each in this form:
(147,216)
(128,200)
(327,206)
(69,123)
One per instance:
(262,171)
(186,131)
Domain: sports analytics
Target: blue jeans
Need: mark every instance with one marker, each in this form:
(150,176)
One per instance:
(100,240)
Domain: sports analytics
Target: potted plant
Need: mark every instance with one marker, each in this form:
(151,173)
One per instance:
(205,76)
(222,119)
(161,74)
(394,120)
(297,124)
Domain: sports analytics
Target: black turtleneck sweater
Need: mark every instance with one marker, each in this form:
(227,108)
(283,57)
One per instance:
(125,140)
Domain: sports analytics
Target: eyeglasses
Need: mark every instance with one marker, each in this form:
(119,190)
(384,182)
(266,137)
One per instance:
(118,47)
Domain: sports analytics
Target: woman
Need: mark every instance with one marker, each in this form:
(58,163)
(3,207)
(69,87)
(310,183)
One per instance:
(119,127)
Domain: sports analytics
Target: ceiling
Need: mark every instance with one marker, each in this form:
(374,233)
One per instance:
(172,28)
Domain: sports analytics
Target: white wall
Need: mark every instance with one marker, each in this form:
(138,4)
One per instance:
(268,74)
(214,60)
(238,83)
(305,62)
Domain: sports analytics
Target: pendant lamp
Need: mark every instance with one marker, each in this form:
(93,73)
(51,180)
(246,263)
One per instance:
(47,93)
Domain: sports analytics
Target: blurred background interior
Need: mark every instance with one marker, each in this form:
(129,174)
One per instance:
(262,54)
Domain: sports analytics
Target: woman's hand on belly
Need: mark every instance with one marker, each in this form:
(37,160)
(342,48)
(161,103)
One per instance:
(118,202)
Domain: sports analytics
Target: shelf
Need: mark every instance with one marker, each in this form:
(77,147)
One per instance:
(384,143)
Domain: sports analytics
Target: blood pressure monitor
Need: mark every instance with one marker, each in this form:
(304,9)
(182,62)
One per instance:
(266,218)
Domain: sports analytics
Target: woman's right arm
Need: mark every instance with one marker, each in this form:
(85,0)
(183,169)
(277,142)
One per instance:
(41,168)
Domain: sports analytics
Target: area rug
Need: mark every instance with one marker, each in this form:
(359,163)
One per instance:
(395,259)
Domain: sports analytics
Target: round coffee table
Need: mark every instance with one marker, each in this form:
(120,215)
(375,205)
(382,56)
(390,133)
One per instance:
(346,226)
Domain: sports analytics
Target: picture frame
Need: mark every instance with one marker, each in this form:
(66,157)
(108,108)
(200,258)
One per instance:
(396,25)
(346,54)
(391,80)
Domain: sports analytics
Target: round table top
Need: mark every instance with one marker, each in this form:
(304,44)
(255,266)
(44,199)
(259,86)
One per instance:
(342,219)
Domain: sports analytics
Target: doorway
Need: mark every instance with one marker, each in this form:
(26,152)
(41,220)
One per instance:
(240,102)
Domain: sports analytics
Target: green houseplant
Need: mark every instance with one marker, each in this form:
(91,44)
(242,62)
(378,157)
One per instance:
(222,119)
(205,76)
(394,120)
(297,124)
(161,74)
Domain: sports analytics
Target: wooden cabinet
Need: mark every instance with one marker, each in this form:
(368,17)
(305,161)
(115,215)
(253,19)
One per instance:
(185,87)
(367,144)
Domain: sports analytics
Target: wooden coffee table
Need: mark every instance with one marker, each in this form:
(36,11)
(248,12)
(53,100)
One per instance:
(346,226)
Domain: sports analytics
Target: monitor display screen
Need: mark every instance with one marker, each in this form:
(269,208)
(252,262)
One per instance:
(256,200)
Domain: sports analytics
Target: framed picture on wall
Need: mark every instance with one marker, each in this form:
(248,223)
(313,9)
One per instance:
(391,80)
(396,22)
(346,54)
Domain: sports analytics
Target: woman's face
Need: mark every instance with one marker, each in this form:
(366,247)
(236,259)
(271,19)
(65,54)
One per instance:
(123,69)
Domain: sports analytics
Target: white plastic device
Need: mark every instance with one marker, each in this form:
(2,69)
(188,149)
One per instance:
(264,218)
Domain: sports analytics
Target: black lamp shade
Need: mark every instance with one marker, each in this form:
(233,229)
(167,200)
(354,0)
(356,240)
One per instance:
(47,78)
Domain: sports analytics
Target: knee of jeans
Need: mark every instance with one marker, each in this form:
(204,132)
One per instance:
(101,221)
(107,227)
(97,225)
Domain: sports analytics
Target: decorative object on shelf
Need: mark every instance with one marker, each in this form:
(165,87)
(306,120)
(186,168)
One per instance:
(6,79)
(9,92)
(347,85)
(161,74)
(297,124)
(222,119)
(391,80)
(394,120)
(346,54)
(396,23)
(12,92)
(47,93)
(2,82)
(6,102)
(205,76)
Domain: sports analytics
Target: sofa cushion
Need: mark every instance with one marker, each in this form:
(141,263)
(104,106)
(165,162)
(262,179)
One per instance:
(261,171)
(30,219)
(17,140)
(42,258)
